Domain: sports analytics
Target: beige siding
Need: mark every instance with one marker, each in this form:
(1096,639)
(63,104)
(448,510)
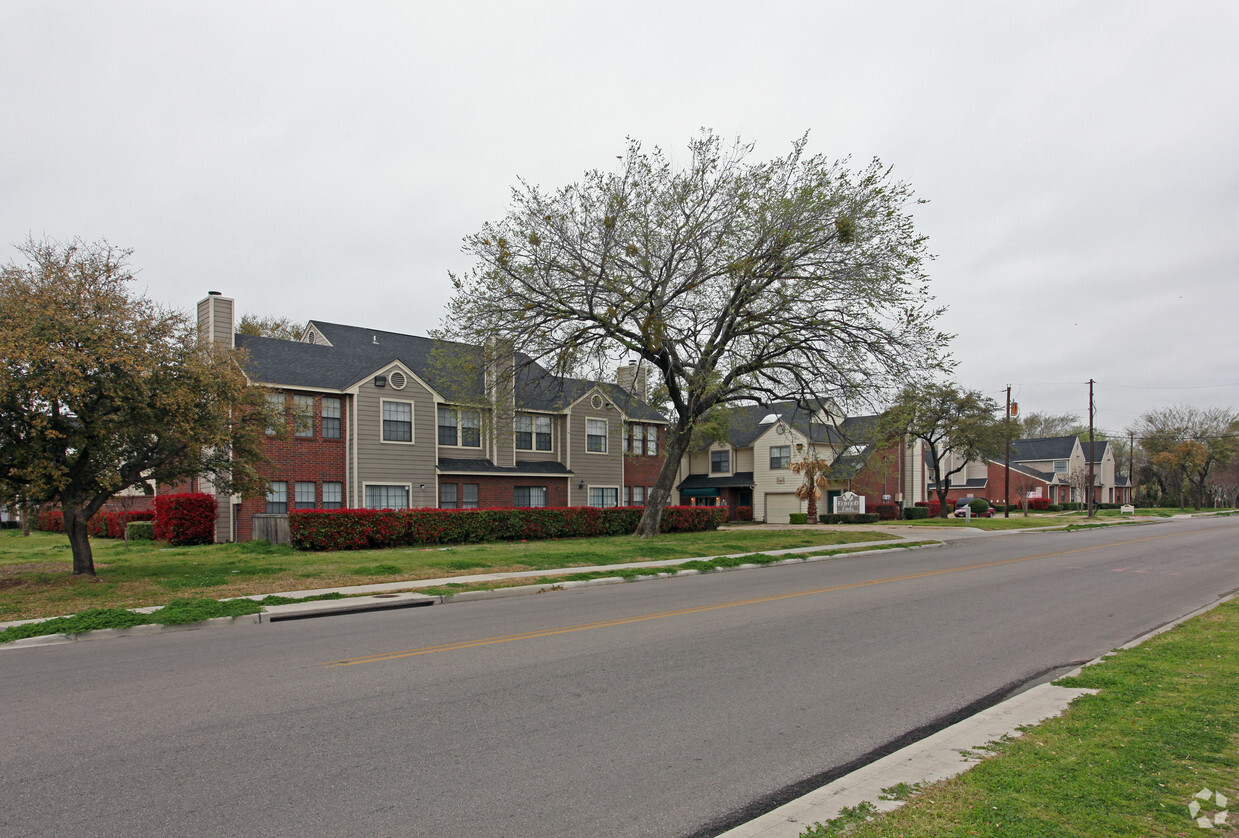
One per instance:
(593,468)
(744,459)
(215,320)
(768,481)
(397,463)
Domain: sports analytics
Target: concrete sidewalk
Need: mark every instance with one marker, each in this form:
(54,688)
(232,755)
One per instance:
(381,595)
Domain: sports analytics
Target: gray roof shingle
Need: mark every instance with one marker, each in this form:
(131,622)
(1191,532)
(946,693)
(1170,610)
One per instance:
(454,370)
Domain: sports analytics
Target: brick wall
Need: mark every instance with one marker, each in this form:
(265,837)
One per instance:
(497,492)
(642,469)
(301,459)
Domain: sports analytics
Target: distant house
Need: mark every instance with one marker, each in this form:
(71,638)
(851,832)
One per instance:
(384,420)
(751,465)
(1043,468)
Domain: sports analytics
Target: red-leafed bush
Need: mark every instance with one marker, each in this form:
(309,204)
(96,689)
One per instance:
(1040,504)
(50,520)
(112,524)
(101,524)
(361,529)
(185,519)
(886,511)
(744,513)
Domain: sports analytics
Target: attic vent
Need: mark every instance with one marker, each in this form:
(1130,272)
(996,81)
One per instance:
(397,380)
(596,402)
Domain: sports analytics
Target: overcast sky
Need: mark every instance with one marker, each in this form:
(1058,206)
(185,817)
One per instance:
(324,160)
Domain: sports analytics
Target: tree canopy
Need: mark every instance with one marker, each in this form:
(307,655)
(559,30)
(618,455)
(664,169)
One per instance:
(284,328)
(101,389)
(737,281)
(956,425)
(1184,444)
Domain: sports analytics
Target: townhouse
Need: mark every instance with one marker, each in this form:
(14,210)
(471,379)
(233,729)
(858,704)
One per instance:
(1049,467)
(751,463)
(384,420)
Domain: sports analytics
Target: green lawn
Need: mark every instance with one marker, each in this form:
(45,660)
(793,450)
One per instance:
(36,578)
(1124,763)
(1017,521)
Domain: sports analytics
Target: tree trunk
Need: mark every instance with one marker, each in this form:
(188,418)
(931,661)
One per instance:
(812,507)
(79,540)
(24,511)
(678,439)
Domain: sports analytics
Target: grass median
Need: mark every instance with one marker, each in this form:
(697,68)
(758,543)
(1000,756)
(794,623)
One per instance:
(36,577)
(1130,761)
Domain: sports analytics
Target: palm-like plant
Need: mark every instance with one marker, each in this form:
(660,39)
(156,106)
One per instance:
(814,470)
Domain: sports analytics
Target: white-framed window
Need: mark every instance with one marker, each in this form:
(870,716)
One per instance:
(397,421)
(468,496)
(604,496)
(333,496)
(447,495)
(277,498)
(303,495)
(471,429)
(331,417)
(638,439)
(780,456)
(278,404)
(380,496)
(596,435)
(529,496)
(460,427)
(533,433)
(651,440)
(720,462)
(1060,466)
(638,496)
(303,416)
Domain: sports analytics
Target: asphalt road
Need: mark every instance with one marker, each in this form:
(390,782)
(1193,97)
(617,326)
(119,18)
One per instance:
(666,708)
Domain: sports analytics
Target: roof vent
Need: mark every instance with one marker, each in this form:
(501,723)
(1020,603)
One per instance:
(375,340)
(214,294)
(397,380)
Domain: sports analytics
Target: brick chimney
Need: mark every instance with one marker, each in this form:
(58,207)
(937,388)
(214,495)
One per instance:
(216,326)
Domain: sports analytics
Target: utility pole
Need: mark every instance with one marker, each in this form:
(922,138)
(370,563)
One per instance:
(1131,467)
(1091,410)
(1006,489)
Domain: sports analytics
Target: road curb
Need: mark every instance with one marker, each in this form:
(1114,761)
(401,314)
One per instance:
(389,596)
(939,756)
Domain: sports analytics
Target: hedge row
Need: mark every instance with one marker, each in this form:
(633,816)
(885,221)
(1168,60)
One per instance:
(185,519)
(850,518)
(361,529)
(101,524)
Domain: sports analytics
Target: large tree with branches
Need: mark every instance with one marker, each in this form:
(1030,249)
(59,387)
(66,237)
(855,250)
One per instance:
(101,389)
(737,281)
(958,426)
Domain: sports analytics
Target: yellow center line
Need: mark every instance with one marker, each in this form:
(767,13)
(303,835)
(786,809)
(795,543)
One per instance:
(620,621)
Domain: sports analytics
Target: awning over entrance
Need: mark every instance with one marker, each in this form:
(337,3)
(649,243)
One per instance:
(699,493)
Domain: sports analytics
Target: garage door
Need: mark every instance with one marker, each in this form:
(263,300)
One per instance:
(779,506)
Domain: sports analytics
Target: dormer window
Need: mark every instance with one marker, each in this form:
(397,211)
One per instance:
(720,462)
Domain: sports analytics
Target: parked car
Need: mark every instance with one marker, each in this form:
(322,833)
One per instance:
(961,508)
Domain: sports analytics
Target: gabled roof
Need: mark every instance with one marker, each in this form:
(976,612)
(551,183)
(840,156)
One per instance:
(1099,449)
(454,370)
(1047,448)
(745,423)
